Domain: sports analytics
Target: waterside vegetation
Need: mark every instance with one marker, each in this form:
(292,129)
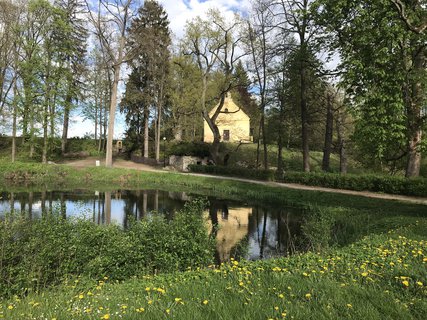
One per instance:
(380,276)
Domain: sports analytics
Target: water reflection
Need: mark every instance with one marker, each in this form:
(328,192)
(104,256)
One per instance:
(242,230)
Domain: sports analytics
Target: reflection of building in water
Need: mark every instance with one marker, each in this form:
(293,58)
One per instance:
(233,227)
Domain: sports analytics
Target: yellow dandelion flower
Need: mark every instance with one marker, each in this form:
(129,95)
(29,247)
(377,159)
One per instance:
(281,296)
(349,306)
(405,283)
(205,302)
(364,274)
(276,308)
(305,274)
(10,307)
(147,288)
(150,301)
(241,283)
(139,310)
(419,283)
(81,296)
(308,295)
(168,311)
(283,314)
(106,316)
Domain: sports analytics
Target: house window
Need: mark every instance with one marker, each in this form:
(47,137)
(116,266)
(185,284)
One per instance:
(226,135)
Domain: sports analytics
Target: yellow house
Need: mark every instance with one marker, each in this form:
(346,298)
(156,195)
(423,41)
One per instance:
(232,122)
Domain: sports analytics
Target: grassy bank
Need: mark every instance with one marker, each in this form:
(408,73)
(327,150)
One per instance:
(379,277)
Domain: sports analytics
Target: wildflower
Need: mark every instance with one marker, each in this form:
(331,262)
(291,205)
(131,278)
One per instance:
(139,310)
(419,283)
(305,274)
(281,296)
(364,274)
(205,302)
(241,283)
(147,289)
(349,306)
(150,301)
(283,314)
(106,316)
(10,307)
(168,311)
(405,283)
(81,296)
(308,295)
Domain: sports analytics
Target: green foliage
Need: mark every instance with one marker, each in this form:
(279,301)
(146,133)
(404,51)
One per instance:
(234,171)
(379,277)
(44,252)
(196,149)
(368,182)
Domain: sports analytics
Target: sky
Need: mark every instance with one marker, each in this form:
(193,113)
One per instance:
(179,12)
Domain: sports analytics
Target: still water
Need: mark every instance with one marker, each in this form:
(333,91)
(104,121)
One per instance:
(245,230)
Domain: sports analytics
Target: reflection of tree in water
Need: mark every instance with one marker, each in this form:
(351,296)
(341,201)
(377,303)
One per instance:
(273,232)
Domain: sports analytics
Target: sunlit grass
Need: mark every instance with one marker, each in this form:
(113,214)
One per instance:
(380,277)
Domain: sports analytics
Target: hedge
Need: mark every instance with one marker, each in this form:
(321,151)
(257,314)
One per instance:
(374,183)
(370,182)
(240,172)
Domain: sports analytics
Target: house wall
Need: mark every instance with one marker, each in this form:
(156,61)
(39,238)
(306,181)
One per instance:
(235,120)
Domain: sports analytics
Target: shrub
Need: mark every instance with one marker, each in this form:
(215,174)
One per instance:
(240,172)
(35,254)
(195,149)
(375,183)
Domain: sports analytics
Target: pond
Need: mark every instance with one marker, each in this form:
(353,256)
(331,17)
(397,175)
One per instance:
(243,230)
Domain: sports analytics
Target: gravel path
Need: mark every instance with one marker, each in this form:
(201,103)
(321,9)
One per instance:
(125,164)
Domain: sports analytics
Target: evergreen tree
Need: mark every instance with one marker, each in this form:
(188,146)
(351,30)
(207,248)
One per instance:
(149,40)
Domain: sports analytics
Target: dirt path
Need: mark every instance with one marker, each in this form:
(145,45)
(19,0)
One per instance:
(124,164)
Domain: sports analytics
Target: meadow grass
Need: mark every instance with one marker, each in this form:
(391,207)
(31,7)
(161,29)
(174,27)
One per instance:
(379,277)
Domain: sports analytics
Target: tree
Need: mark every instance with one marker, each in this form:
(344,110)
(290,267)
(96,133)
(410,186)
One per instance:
(149,40)
(260,38)
(73,40)
(298,20)
(111,31)
(213,43)
(184,94)
(382,45)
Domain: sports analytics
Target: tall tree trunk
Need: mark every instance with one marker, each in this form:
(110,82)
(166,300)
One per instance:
(414,106)
(100,123)
(304,119)
(280,169)
(112,116)
(327,148)
(341,141)
(14,116)
(264,140)
(67,108)
(113,102)
(146,131)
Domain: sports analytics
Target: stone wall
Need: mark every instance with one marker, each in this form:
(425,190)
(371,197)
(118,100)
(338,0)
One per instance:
(181,163)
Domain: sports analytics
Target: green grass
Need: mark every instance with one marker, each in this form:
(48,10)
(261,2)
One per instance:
(370,245)
(379,277)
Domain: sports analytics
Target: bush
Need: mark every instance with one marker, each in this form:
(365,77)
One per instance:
(39,253)
(195,149)
(375,183)
(240,172)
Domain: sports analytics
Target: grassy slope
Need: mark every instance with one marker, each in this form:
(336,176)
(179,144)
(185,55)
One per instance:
(252,291)
(380,277)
